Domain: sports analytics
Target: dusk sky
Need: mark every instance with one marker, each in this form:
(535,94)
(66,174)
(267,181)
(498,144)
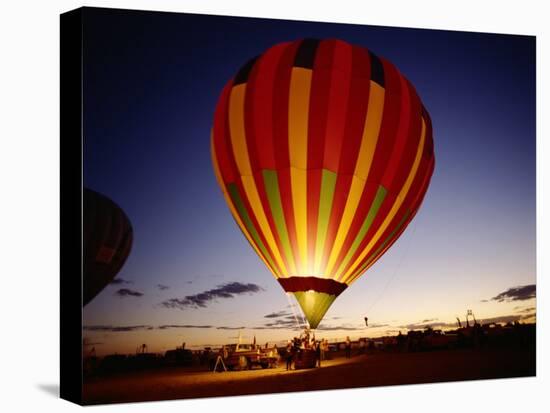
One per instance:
(151,83)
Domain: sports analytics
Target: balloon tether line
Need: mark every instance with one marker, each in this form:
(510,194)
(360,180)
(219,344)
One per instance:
(399,263)
(291,304)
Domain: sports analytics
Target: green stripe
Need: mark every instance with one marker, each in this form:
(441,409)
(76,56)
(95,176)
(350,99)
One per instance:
(328,182)
(314,305)
(243,213)
(381,247)
(271,183)
(375,206)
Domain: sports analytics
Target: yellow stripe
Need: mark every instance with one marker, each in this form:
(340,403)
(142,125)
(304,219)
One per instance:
(298,111)
(236,129)
(240,150)
(298,182)
(254,199)
(371,130)
(232,207)
(354,276)
(397,204)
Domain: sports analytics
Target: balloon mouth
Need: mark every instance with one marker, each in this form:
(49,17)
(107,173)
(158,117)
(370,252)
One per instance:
(315,295)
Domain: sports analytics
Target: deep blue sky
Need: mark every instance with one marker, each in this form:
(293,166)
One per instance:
(151,82)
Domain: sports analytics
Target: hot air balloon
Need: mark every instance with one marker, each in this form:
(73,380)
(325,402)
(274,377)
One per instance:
(324,153)
(107,238)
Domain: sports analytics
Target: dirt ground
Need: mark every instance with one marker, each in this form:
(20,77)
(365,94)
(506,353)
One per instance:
(380,369)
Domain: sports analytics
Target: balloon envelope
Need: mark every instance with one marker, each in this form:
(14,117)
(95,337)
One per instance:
(107,238)
(324,153)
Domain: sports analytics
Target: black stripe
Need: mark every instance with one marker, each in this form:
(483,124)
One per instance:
(376,69)
(244,72)
(305,56)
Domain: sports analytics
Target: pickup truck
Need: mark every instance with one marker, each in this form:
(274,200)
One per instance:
(248,356)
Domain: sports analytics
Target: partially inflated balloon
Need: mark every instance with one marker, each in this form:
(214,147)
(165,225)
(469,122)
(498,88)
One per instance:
(107,237)
(324,152)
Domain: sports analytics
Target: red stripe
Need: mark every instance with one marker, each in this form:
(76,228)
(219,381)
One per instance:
(248,207)
(252,106)
(398,153)
(388,127)
(338,105)
(429,145)
(413,136)
(368,195)
(318,105)
(321,285)
(384,149)
(414,208)
(416,191)
(314,177)
(224,152)
(385,208)
(222,144)
(341,191)
(355,120)
(317,122)
(281,92)
(357,110)
(262,102)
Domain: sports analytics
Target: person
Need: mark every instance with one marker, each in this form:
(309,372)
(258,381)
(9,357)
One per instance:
(361,346)
(348,347)
(289,354)
(318,353)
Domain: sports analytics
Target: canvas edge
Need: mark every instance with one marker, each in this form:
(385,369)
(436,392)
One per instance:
(71,205)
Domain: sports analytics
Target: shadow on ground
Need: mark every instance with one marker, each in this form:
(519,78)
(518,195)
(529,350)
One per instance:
(51,389)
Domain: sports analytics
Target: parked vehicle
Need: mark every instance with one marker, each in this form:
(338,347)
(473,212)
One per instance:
(247,356)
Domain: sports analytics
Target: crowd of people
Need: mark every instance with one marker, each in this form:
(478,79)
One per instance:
(306,342)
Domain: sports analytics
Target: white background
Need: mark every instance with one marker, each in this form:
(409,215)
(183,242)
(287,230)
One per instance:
(29,206)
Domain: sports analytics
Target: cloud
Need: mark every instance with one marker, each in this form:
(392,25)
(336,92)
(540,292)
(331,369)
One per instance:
(507,318)
(162,287)
(202,300)
(230,328)
(277,314)
(527,314)
(422,325)
(378,325)
(525,310)
(119,281)
(170,326)
(342,327)
(88,342)
(126,292)
(520,293)
(116,329)
(285,322)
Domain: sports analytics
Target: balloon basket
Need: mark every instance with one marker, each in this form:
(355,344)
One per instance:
(305,359)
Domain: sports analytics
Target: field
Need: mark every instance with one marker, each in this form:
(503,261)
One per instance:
(377,369)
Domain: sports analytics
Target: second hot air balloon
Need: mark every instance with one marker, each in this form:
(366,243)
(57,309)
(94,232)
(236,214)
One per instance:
(107,242)
(324,153)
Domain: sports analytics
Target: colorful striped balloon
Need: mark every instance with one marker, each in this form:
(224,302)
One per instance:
(324,152)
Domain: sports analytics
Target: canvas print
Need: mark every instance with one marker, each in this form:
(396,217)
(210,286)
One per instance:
(278,206)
